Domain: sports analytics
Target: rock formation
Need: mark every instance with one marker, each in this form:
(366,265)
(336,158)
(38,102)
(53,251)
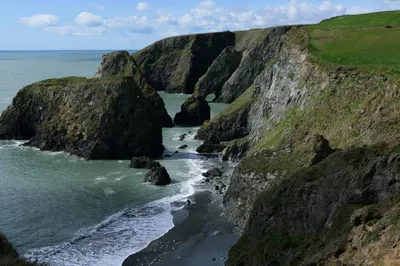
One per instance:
(122,64)
(143,163)
(194,111)
(102,118)
(158,176)
(176,64)
(9,255)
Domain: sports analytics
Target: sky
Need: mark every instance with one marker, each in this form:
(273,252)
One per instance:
(129,24)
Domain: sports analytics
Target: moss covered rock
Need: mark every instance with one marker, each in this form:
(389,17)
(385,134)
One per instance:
(176,64)
(122,64)
(9,255)
(101,118)
(194,111)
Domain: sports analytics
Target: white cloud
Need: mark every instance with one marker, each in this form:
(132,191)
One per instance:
(165,18)
(143,6)
(39,20)
(88,19)
(207,4)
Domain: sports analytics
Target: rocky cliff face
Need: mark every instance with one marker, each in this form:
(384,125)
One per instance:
(176,64)
(122,64)
(102,118)
(224,64)
(271,128)
(343,211)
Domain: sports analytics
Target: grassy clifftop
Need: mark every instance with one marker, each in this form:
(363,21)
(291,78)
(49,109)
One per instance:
(370,40)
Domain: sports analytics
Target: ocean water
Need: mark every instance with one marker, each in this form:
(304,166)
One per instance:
(62,210)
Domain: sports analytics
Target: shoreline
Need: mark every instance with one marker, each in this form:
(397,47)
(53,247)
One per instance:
(200,236)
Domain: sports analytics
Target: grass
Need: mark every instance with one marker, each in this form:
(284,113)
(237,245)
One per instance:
(362,41)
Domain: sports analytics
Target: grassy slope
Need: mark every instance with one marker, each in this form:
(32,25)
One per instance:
(367,41)
(356,109)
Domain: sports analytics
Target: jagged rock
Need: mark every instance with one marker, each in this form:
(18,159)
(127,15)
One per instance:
(346,189)
(176,64)
(182,147)
(321,148)
(194,111)
(158,176)
(122,64)
(210,148)
(218,73)
(213,173)
(182,137)
(101,118)
(143,162)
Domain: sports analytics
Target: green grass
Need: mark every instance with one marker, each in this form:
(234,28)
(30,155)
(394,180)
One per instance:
(360,40)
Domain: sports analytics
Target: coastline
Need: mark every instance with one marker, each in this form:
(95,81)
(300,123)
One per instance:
(200,236)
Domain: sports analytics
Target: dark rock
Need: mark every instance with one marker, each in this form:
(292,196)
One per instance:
(158,176)
(143,162)
(167,155)
(176,152)
(321,148)
(218,73)
(210,148)
(188,202)
(228,127)
(101,118)
(176,64)
(194,111)
(213,173)
(182,147)
(182,137)
(122,64)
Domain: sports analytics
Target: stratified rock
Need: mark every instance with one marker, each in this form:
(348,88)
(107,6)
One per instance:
(143,163)
(194,111)
(218,73)
(213,173)
(176,64)
(122,64)
(102,118)
(158,176)
(321,148)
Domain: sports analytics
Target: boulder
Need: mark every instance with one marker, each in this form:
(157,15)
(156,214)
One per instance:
(176,64)
(143,163)
(158,176)
(122,64)
(194,111)
(101,118)
(182,147)
(213,173)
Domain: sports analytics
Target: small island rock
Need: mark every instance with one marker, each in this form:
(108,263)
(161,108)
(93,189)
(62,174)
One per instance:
(194,111)
(143,163)
(158,176)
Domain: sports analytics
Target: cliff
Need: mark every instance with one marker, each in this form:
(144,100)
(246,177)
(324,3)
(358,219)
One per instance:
(289,209)
(101,118)
(122,64)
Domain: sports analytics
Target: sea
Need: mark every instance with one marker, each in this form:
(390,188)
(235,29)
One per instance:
(59,209)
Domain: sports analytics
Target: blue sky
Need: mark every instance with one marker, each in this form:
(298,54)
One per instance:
(128,24)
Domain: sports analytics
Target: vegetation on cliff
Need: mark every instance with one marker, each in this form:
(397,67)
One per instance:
(9,255)
(101,118)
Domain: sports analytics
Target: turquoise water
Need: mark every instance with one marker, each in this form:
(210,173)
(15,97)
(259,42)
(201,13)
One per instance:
(62,210)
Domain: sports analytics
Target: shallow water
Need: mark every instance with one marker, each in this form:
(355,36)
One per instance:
(63,210)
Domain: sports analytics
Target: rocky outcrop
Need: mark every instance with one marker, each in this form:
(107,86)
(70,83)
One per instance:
(122,64)
(322,149)
(106,118)
(9,255)
(212,173)
(176,64)
(341,211)
(158,176)
(218,73)
(194,111)
(143,163)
